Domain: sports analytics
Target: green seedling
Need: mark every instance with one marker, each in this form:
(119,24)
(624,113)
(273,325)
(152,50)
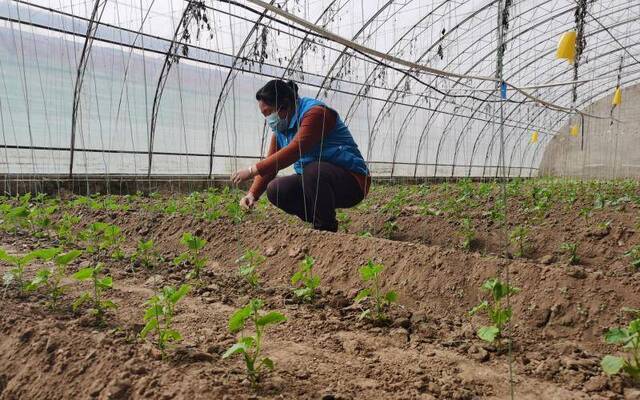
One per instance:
(343,221)
(103,238)
(305,281)
(497,211)
(467,233)
(603,226)
(571,249)
(389,229)
(51,278)
(235,212)
(634,255)
(249,263)
(370,275)
(192,256)
(190,204)
(428,209)
(541,201)
(394,206)
(65,228)
(498,314)
(145,254)
(14,218)
(250,347)
(158,316)
(171,207)
(585,213)
(365,234)
(519,237)
(40,220)
(16,273)
(95,298)
(629,338)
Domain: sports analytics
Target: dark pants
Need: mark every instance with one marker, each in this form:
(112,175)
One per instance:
(315,195)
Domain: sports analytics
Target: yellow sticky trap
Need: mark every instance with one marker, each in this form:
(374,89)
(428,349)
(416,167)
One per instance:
(574,130)
(534,137)
(617,97)
(567,47)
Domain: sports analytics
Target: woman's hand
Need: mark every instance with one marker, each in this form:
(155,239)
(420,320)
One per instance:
(243,174)
(248,201)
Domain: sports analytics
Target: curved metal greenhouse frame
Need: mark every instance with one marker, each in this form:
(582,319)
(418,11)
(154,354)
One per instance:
(415,117)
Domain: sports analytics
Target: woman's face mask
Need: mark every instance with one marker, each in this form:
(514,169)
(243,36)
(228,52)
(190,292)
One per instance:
(277,123)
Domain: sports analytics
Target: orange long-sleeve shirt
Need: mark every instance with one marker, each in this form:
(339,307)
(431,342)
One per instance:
(315,125)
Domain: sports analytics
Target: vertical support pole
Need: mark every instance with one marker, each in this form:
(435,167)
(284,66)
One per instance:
(503,15)
(96,15)
(225,89)
(170,58)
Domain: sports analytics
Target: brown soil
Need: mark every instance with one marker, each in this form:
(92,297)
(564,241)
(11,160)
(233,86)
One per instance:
(323,351)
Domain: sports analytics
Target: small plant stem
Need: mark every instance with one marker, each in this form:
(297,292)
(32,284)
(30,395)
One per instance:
(96,303)
(256,354)
(376,292)
(160,344)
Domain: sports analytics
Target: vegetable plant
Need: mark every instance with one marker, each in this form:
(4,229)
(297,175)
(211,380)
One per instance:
(16,273)
(14,217)
(389,229)
(497,211)
(51,278)
(158,316)
(395,205)
(192,256)
(40,220)
(65,228)
(235,212)
(343,220)
(629,338)
(144,254)
(95,298)
(250,347)
(498,314)
(249,263)
(305,281)
(370,275)
(100,237)
(519,237)
(467,233)
(571,249)
(634,255)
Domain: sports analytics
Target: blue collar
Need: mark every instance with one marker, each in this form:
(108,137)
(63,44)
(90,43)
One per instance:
(293,121)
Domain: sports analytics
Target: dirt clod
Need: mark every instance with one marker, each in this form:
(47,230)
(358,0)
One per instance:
(478,353)
(631,394)
(596,383)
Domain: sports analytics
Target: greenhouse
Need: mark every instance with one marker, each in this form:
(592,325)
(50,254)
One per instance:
(320,199)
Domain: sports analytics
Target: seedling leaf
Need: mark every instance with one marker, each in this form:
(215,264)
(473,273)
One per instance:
(239,347)
(271,318)
(391,297)
(236,322)
(83,274)
(267,362)
(488,333)
(66,258)
(363,294)
(611,365)
(616,335)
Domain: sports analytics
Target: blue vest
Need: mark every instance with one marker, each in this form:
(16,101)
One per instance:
(337,147)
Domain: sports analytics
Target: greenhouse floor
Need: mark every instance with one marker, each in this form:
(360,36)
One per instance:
(438,244)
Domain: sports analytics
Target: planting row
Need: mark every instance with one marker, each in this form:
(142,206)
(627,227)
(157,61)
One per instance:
(102,241)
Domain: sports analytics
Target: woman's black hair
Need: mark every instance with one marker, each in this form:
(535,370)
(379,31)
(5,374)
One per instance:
(278,93)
